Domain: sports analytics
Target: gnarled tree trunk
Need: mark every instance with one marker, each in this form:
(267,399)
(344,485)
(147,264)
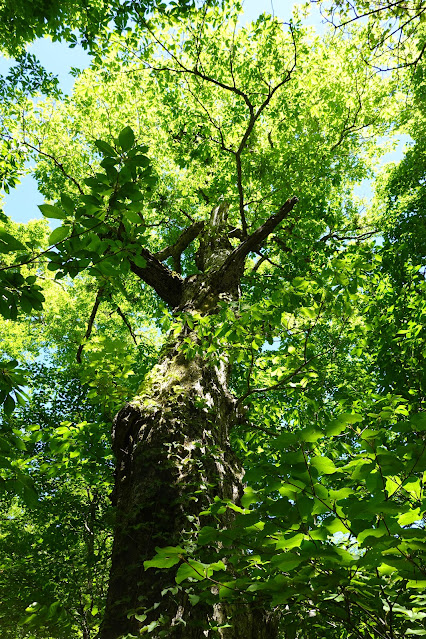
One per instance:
(174,457)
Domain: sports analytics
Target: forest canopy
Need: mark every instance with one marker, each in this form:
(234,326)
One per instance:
(213,353)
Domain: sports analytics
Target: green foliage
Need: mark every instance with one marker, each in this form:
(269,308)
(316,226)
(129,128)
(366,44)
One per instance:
(20,294)
(95,235)
(395,30)
(61,19)
(20,291)
(55,537)
(11,381)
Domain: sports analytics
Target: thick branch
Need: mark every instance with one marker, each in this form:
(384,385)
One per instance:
(184,240)
(234,264)
(167,284)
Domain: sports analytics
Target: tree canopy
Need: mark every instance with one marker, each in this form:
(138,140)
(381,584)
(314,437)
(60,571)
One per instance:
(211,279)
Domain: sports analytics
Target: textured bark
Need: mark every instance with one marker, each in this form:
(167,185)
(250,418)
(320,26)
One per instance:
(174,457)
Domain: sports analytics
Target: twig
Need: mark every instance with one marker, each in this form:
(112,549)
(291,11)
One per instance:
(127,323)
(90,323)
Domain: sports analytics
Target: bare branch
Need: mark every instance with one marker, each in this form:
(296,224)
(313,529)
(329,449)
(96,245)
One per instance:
(370,13)
(36,257)
(342,238)
(196,72)
(297,371)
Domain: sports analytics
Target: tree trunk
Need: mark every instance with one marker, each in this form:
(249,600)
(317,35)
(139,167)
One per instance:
(174,456)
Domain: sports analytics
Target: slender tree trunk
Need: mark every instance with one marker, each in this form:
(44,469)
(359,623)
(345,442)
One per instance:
(174,456)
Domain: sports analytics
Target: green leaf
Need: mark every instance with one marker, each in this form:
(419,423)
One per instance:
(31,620)
(291,488)
(290,542)
(141,160)
(410,517)
(371,533)
(192,569)
(161,562)
(9,405)
(323,464)
(53,610)
(126,138)
(51,211)
(286,561)
(335,525)
(140,618)
(20,397)
(9,243)
(418,422)
(139,261)
(132,216)
(68,204)
(311,435)
(227,589)
(59,234)
(418,584)
(166,557)
(250,497)
(206,535)
(169,550)
(215,566)
(107,268)
(339,424)
(105,148)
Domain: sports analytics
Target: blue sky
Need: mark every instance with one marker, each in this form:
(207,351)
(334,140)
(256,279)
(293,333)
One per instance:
(21,203)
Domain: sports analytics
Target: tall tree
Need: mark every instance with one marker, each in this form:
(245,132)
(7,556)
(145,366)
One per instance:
(166,476)
(218,203)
